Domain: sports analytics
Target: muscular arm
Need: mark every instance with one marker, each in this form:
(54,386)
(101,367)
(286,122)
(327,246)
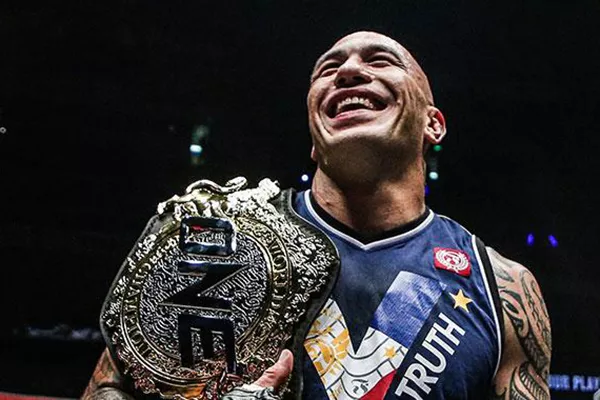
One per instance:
(525,362)
(106,382)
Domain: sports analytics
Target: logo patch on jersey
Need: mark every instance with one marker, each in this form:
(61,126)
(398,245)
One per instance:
(452,260)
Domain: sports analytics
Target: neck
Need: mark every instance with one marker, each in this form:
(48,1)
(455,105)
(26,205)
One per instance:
(373,208)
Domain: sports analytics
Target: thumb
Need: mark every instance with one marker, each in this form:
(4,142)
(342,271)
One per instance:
(278,373)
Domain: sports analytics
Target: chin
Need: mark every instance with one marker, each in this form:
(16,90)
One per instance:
(358,160)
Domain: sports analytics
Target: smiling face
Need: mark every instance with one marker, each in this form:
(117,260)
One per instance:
(369,108)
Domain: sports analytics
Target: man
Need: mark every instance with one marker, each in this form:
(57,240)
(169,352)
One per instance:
(421,308)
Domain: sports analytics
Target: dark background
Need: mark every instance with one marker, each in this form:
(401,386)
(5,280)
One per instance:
(99,101)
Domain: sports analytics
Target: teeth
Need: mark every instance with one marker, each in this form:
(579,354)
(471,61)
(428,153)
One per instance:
(354,100)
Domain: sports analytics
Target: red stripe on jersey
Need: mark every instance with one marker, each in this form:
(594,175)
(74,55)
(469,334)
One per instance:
(378,391)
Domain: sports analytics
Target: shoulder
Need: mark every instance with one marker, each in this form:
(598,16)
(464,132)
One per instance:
(504,267)
(526,355)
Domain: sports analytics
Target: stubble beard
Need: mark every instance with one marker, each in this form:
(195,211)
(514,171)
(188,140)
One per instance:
(365,163)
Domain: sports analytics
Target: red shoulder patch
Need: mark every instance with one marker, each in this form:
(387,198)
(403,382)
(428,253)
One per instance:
(452,260)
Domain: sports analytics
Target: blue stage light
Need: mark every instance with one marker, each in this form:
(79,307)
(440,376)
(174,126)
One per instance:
(553,241)
(530,239)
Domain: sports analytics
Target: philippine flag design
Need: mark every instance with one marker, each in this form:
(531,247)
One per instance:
(368,372)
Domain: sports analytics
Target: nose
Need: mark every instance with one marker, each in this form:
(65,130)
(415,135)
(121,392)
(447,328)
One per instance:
(352,73)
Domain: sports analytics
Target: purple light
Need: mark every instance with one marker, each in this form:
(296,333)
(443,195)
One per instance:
(553,240)
(530,239)
(426,190)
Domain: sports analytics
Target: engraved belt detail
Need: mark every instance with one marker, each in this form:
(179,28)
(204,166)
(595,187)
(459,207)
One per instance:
(213,290)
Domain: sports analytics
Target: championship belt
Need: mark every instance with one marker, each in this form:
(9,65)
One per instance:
(221,280)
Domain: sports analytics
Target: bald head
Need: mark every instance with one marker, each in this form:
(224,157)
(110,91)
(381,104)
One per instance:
(404,57)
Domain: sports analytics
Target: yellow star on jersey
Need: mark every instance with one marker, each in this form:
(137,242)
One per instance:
(390,352)
(460,300)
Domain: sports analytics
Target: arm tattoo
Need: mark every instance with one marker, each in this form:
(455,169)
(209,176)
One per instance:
(540,314)
(525,382)
(525,308)
(524,385)
(105,381)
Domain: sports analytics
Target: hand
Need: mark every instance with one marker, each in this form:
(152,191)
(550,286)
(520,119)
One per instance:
(278,373)
(264,387)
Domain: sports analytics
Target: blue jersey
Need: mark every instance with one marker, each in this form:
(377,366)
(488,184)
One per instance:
(413,315)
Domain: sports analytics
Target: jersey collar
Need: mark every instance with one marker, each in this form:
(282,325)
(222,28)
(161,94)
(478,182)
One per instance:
(342,231)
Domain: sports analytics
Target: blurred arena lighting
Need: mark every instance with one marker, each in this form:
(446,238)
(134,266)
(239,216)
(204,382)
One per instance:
(59,332)
(437,148)
(530,239)
(432,167)
(426,190)
(196,149)
(200,134)
(304,178)
(553,241)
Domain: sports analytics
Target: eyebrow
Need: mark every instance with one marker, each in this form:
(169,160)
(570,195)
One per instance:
(374,48)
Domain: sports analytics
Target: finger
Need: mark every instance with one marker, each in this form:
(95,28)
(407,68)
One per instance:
(278,372)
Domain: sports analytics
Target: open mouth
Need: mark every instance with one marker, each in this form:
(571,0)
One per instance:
(348,103)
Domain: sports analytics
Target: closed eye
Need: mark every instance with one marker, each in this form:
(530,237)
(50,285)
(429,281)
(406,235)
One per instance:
(381,61)
(328,68)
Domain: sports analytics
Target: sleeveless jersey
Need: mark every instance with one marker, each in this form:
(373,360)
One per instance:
(412,316)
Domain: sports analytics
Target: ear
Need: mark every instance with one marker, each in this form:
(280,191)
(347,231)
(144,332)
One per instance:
(436,126)
(313,154)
